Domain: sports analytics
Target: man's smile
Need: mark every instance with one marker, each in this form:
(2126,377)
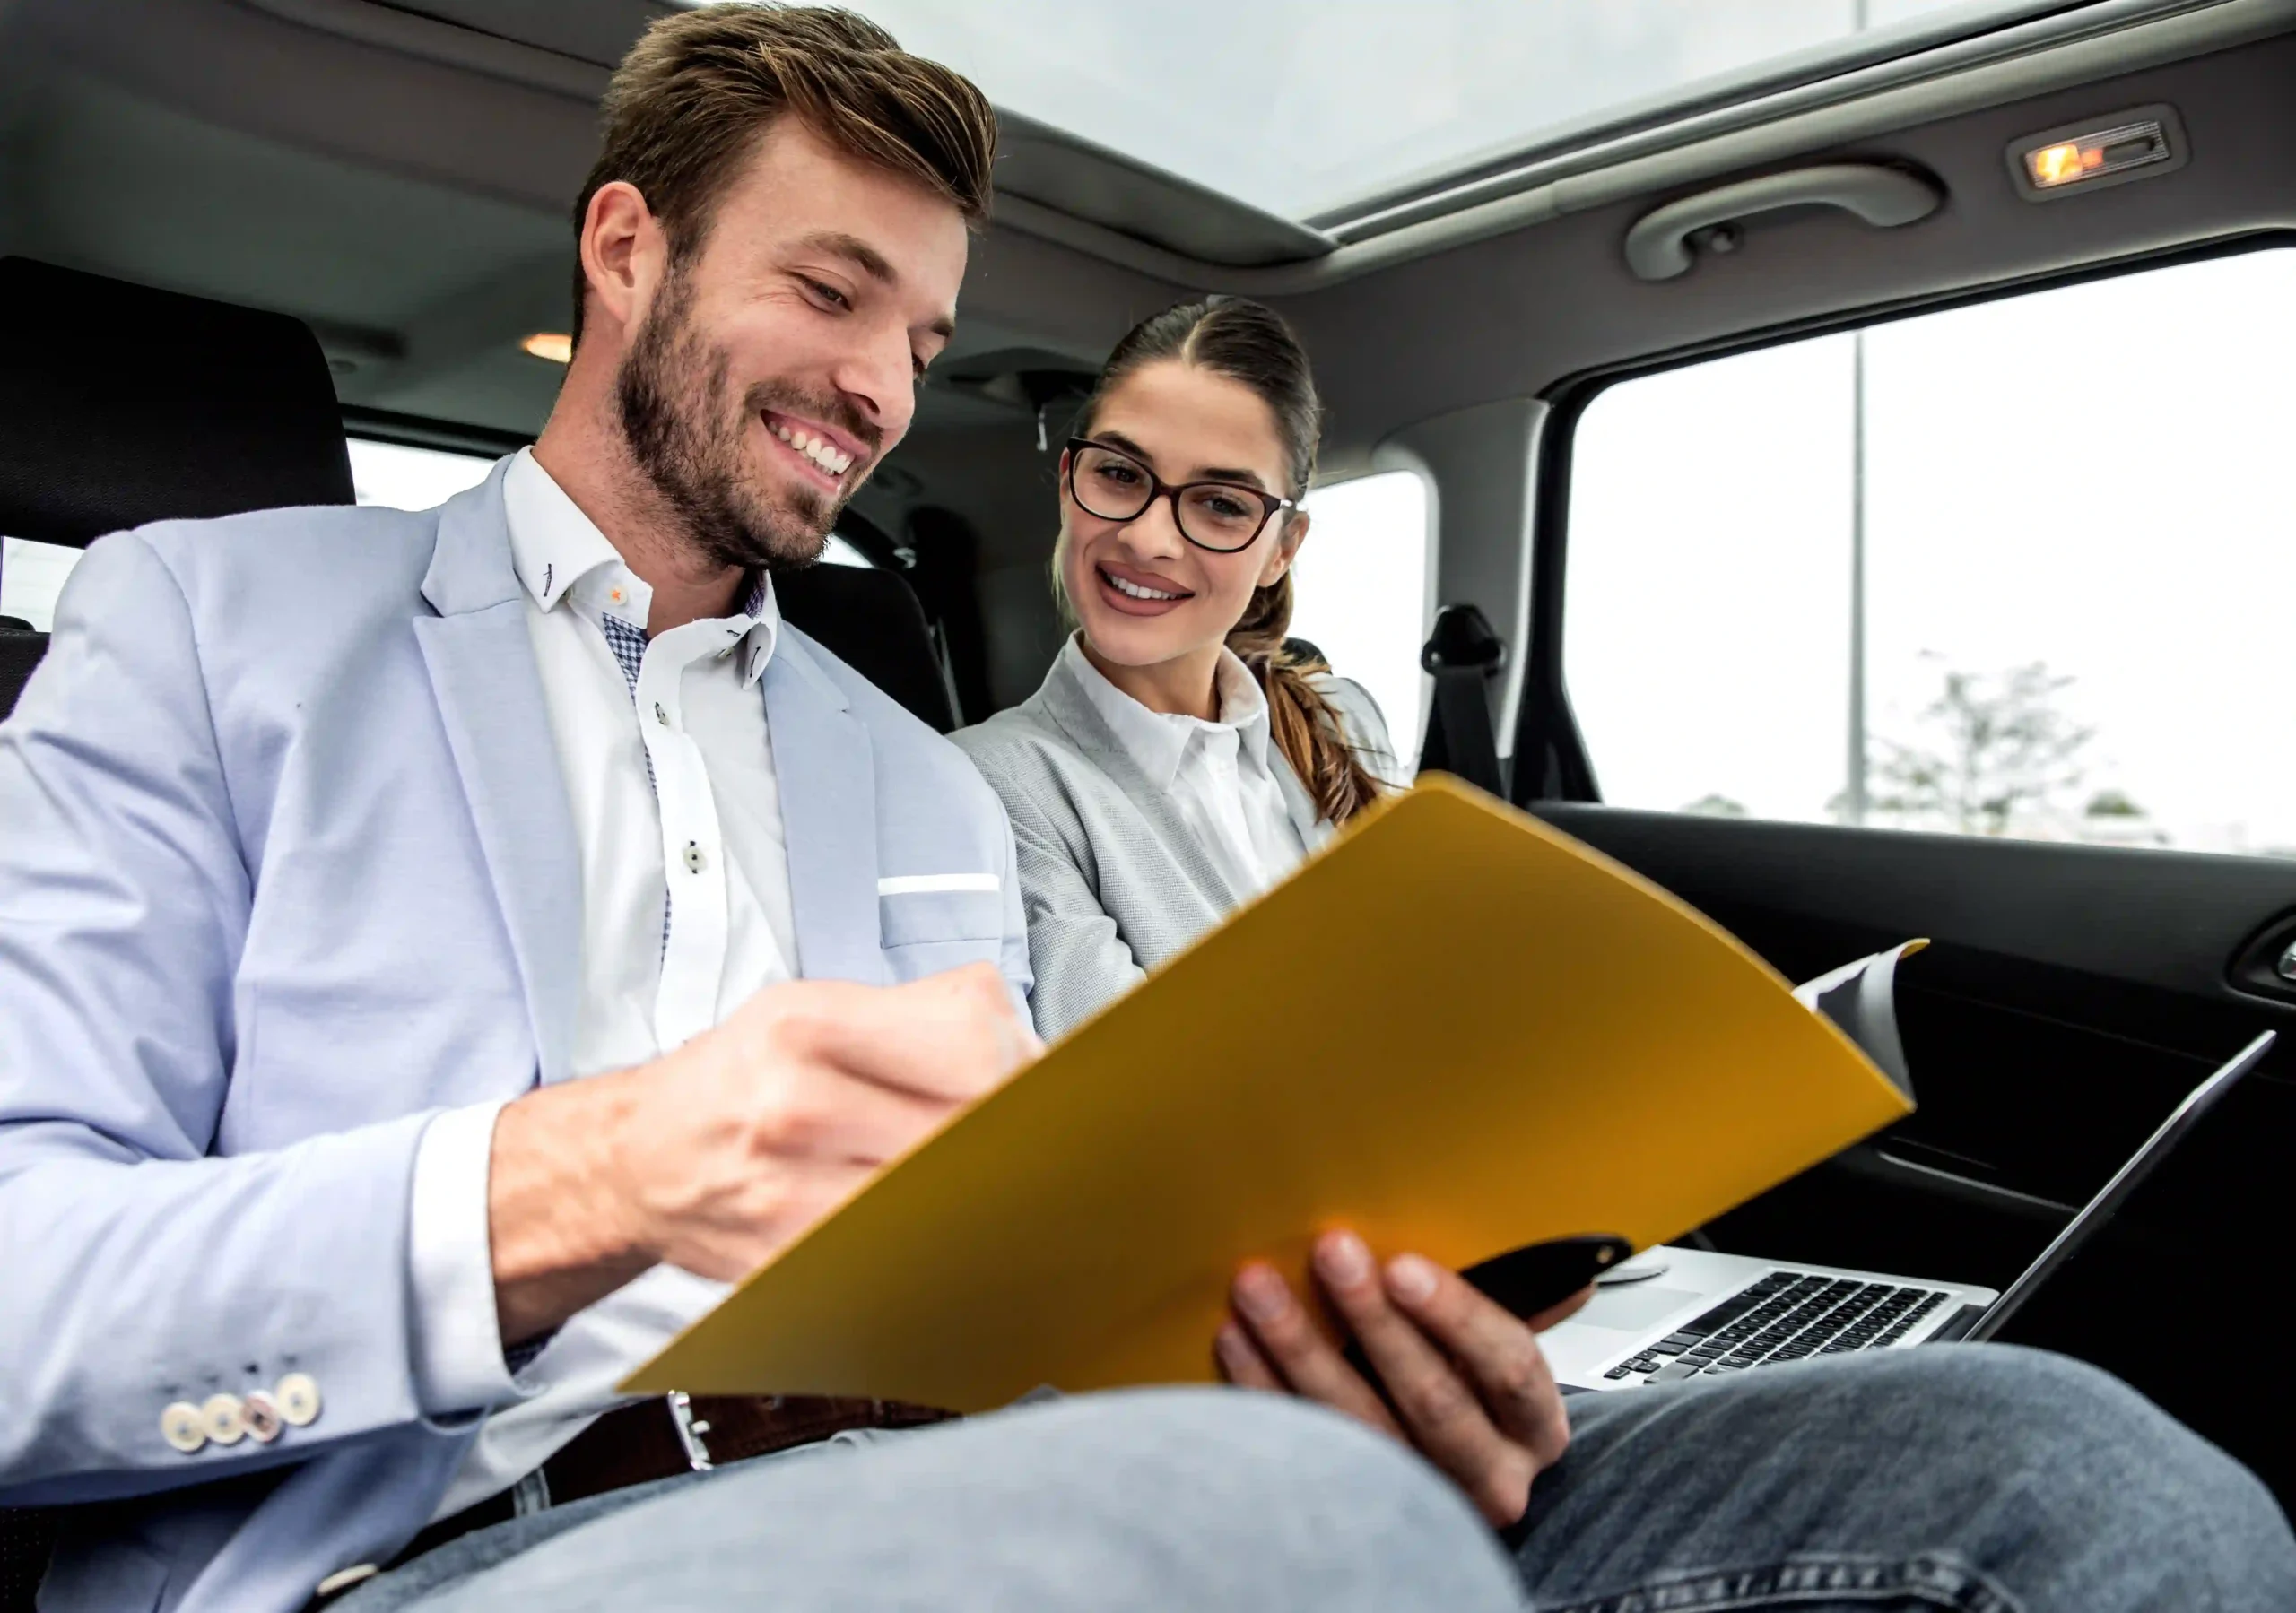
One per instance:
(822,454)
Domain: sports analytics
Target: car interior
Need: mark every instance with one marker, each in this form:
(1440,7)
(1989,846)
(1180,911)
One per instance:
(234,233)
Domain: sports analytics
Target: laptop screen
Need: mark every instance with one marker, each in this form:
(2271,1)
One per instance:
(2098,1211)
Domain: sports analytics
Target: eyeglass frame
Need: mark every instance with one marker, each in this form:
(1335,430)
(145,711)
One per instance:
(1272,505)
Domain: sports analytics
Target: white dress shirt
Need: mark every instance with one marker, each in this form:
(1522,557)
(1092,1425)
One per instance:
(686,912)
(1218,773)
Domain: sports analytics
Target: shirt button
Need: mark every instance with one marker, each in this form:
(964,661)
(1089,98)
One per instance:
(260,1414)
(180,1427)
(694,861)
(221,1418)
(298,1394)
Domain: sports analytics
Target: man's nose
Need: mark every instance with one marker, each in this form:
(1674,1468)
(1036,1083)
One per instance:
(880,378)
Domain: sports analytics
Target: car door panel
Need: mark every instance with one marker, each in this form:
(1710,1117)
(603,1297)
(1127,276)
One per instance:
(2070,999)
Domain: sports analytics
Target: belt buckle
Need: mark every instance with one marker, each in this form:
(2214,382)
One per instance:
(690,1429)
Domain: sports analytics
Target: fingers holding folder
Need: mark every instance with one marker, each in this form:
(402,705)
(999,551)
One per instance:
(1436,1363)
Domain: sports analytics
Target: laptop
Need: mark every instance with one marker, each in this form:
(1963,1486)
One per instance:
(1671,1312)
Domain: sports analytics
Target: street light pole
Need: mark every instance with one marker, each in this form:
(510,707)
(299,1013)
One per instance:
(1854,796)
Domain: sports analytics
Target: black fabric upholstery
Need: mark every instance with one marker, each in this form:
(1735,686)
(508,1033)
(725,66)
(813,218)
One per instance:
(871,621)
(19,653)
(119,405)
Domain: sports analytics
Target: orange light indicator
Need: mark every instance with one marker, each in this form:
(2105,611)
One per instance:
(555,346)
(2056,164)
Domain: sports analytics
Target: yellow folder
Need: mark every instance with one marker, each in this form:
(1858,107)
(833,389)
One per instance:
(1455,1029)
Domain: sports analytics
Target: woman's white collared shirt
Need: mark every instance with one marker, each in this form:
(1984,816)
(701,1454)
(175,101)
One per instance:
(1219,774)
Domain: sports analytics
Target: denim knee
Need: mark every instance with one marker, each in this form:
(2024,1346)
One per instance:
(2102,1457)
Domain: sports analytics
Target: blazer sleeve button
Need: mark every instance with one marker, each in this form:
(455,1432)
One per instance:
(180,1427)
(220,1418)
(260,1414)
(298,1394)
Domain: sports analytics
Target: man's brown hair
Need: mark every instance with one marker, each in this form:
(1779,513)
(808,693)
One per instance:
(689,101)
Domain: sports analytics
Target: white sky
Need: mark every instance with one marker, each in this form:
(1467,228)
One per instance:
(2102,477)
(1298,105)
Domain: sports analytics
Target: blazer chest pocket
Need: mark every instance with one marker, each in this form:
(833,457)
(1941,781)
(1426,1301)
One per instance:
(939,908)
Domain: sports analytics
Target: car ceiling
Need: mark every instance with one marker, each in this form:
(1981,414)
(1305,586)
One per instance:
(398,174)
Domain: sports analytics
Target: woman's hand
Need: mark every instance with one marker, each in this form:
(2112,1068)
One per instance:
(1465,1381)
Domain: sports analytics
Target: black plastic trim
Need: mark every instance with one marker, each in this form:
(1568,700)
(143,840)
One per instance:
(2134,917)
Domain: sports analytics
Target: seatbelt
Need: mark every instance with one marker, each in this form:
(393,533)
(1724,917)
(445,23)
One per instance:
(1462,655)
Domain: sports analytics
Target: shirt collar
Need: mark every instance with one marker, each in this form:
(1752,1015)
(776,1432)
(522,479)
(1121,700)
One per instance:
(559,554)
(1157,742)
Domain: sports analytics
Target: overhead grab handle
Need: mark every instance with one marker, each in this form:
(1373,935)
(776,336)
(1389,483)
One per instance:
(1661,245)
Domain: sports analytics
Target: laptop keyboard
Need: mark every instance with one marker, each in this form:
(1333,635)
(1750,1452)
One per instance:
(1786,1316)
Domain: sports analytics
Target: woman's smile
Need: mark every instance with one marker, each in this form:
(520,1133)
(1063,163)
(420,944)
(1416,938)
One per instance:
(1133,593)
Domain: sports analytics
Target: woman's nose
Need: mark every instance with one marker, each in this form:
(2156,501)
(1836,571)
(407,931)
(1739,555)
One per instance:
(1152,532)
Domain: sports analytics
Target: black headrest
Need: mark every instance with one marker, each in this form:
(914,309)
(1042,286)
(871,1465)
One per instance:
(120,404)
(870,620)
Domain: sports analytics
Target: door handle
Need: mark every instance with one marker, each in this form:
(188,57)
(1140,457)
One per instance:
(1660,245)
(2265,965)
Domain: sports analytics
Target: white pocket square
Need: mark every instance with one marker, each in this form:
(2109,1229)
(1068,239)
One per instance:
(935,884)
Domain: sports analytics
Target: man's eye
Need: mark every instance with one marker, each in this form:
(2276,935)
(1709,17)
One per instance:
(829,293)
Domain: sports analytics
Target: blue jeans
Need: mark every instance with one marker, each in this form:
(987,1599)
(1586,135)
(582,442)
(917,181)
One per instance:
(1976,1478)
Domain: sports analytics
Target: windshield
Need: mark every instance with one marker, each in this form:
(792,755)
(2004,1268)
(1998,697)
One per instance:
(1304,107)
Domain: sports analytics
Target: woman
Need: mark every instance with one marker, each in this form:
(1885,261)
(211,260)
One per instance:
(1180,759)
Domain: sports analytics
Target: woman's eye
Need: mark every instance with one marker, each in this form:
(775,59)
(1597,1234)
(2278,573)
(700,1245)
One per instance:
(1226,506)
(1120,474)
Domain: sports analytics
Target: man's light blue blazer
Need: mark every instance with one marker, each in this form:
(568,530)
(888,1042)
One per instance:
(286,867)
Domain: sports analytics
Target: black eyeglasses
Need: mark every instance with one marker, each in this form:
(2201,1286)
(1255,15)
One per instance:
(1222,517)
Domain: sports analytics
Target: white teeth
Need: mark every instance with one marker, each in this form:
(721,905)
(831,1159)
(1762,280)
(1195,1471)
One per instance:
(1133,590)
(816,449)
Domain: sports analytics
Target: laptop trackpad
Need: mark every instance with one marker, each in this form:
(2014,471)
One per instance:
(1631,1310)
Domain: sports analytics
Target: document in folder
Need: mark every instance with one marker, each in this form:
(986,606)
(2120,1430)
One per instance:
(1455,1030)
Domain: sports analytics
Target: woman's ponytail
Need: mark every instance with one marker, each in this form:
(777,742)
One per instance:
(1305,725)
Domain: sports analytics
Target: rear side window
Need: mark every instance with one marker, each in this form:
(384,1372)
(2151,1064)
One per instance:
(2022,568)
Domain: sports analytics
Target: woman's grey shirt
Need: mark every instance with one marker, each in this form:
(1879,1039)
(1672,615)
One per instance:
(1113,879)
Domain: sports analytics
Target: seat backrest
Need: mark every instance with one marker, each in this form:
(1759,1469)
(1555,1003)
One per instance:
(871,621)
(19,653)
(120,404)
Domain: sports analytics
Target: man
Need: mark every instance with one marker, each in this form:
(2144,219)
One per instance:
(438,952)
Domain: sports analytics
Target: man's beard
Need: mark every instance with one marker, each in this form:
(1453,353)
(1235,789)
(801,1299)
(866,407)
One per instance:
(671,390)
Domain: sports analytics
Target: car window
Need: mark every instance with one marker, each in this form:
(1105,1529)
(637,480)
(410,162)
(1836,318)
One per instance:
(2076,512)
(402,477)
(1361,583)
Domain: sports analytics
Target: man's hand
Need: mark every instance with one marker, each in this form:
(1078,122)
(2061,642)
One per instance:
(715,1156)
(1465,1381)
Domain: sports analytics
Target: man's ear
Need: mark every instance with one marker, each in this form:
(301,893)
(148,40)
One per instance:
(623,252)
(1286,547)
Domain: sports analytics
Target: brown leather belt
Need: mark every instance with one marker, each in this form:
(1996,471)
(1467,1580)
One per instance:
(660,1438)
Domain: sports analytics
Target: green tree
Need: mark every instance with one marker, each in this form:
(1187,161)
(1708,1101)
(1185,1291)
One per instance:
(2001,746)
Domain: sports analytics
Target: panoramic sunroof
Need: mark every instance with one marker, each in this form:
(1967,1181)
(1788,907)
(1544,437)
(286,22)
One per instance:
(1303,107)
